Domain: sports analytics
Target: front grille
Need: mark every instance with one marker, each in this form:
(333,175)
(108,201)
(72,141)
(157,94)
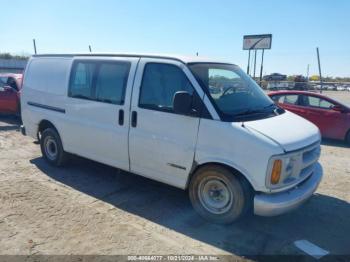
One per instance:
(304,161)
(310,157)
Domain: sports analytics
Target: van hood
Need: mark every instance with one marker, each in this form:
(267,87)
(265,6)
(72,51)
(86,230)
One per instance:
(288,130)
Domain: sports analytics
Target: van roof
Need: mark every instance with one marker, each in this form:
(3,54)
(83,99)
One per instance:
(182,58)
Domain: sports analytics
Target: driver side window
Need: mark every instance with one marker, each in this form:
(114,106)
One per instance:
(159,84)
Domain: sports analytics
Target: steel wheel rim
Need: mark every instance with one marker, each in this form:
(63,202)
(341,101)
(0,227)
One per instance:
(50,146)
(215,196)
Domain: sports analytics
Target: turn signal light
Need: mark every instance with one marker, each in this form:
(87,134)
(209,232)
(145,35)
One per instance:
(276,172)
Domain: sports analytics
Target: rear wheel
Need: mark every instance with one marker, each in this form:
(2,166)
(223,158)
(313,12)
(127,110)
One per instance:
(219,195)
(51,147)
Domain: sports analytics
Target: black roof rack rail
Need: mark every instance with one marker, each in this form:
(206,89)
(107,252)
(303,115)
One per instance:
(111,55)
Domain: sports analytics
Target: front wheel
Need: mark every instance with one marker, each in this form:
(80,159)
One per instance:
(51,147)
(219,195)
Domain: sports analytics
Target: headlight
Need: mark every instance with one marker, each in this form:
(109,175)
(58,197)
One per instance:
(283,170)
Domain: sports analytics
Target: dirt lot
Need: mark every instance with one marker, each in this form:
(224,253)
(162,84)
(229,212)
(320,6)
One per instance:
(89,208)
(343,97)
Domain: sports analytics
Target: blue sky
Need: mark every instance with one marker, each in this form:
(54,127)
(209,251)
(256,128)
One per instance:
(214,28)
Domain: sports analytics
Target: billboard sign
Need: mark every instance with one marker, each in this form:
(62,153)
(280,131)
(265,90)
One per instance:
(254,42)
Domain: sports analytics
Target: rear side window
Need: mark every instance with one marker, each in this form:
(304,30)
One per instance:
(291,99)
(286,99)
(159,84)
(81,84)
(277,98)
(101,81)
(111,82)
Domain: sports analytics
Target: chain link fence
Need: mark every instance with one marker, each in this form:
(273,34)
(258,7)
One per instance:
(307,85)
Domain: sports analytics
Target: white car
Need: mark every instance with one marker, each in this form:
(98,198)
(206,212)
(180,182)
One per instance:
(155,116)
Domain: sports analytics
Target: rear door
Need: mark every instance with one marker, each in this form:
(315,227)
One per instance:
(162,143)
(320,112)
(98,107)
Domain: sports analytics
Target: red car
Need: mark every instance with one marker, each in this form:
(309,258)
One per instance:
(330,116)
(10,88)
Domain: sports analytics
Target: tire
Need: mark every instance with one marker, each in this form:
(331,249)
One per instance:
(347,139)
(19,114)
(219,195)
(51,148)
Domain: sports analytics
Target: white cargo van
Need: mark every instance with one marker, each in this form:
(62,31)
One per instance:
(194,123)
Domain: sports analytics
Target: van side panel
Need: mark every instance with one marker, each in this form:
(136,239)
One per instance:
(93,128)
(48,75)
(44,86)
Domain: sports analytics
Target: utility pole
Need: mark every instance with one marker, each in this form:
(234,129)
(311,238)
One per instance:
(34,44)
(307,75)
(254,64)
(90,48)
(319,68)
(248,67)
(262,66)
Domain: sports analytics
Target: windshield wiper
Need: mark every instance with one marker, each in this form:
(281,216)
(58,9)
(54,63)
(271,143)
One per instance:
(270,105)
(249,112)
(255,111)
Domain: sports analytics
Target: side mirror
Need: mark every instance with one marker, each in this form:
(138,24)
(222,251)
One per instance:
(182,103)
(338,108)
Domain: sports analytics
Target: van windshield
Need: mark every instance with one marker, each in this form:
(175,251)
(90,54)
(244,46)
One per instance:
(235,95)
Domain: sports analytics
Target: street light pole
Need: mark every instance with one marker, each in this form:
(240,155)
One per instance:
(319,68)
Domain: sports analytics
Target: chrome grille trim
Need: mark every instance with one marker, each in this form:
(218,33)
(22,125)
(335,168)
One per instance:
(306,160)
(311,156)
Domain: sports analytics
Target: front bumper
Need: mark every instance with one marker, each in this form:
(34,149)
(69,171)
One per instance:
(279,203)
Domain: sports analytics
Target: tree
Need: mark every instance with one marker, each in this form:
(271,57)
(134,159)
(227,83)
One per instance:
(314,78)
(9,56)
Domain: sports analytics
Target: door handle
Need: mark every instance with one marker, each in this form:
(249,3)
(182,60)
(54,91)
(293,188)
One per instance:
(121,117)
(133,118)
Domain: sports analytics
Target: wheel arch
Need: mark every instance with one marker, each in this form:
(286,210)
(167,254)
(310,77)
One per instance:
(44,124)
(232,168)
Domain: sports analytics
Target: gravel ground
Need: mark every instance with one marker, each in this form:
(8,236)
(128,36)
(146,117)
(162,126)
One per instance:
(88,208)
